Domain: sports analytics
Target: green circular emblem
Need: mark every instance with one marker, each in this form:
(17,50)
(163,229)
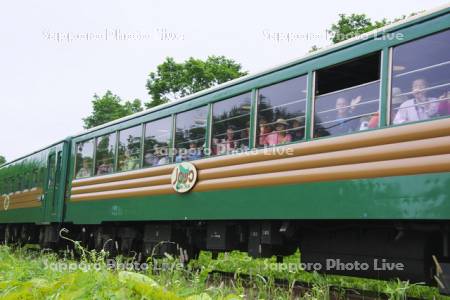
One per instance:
(184,177)
(6,202)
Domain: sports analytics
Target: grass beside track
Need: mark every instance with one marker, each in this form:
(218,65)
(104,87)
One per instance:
(26,274)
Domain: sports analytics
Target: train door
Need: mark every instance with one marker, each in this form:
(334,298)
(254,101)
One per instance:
(52,186)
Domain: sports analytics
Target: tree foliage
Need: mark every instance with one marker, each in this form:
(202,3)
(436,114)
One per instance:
(352,25)
(2,160)
(110,107)
(174,80)
(349,26)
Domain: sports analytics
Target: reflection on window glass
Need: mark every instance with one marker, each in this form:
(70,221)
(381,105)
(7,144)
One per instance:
(157,141)
(190,134)
(105,154)
(281,112)
(351,99)
(231,124)
(421,79)
(84,159)
(35,176)
(130,148)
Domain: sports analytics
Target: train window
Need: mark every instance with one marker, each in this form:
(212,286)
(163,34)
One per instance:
(40,177)
(19,180)
(347,97)
(8,185)
(105,154)
(14,184)
(231,124)
(421,79)
(281,112)
(33,180)
(190,134)
(25,181)
(18,185)
(84,160)
(5,188)
(157,142)
(130,148)
(12,187)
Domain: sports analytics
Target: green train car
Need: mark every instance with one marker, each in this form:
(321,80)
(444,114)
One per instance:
(343,154)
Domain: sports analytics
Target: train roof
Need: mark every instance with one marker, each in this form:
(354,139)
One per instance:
(34,152)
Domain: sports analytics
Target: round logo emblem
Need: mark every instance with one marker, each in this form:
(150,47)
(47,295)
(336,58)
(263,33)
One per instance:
(184,177)
(6,202)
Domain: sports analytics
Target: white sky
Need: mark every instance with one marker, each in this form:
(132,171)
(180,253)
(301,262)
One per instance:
(46,85)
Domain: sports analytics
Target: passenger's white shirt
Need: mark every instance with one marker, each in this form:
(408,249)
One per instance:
(408,112)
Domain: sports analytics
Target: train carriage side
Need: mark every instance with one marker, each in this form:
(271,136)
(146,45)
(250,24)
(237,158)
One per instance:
(32,194)
(335,188)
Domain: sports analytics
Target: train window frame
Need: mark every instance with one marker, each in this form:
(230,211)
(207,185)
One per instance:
(256,110)
(75,171)
(170,118)
(117,159)
(389,117)
(315,95)
(206,145)
(210,123)
(114,163)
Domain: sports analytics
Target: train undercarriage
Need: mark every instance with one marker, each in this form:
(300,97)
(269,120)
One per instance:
(372,249)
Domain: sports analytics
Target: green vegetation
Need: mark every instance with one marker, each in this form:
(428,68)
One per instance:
(349,26)
(352,25)
(28,275)
(171,81)
(31,274)
(2,160)
(109,107)
(174,80)
(240,263)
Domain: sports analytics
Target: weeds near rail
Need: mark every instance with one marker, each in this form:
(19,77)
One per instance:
(24,275)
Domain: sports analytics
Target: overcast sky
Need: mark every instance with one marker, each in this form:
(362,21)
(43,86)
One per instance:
(49,70)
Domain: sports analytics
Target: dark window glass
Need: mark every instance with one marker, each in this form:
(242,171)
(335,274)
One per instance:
(84,161)
(281,112)
(347,97)
(130,148)
(26,180)
(190,134)
(10,185)
(157,142)
(2,187)
(23,178)
(421,79)
(105,154)
(15,184)
(12,188)
(231,124)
